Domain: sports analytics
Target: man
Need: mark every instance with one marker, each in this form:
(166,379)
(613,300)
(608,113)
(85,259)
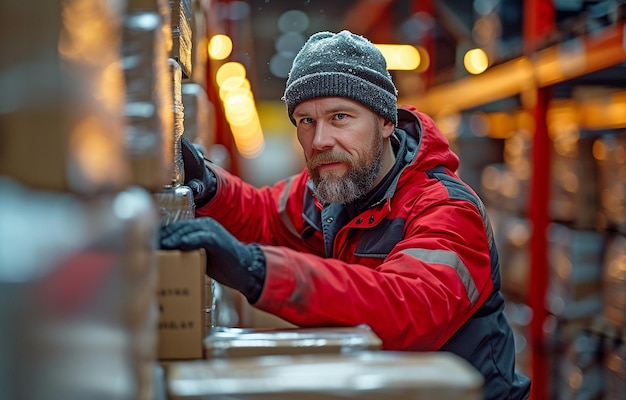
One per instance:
(376,230)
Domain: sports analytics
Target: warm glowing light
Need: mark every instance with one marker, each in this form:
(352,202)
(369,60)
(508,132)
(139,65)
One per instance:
(599,150)
(240,109)
(476,61)
(249,138)
(400,56)
(220,47)
(424,59)
(234,84)
(229,70)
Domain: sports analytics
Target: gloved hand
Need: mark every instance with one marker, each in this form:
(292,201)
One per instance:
(201,180)
(229,261)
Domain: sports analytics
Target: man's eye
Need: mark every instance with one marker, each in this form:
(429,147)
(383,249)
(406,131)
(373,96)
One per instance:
(340,116)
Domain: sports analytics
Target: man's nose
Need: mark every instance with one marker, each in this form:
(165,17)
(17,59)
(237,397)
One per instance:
(323,138)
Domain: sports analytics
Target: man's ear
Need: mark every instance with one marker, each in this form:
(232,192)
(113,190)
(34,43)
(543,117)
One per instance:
(387,127)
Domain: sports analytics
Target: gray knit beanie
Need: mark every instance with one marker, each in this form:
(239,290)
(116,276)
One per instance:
(345,65)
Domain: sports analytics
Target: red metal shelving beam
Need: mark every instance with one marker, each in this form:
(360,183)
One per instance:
(539,20)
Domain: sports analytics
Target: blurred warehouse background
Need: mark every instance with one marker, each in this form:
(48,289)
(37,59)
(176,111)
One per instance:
(95,95)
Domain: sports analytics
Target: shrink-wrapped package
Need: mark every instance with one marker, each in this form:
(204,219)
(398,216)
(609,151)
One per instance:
(78,284)
(175,203)
(250,342)
(178,176)
(181,15)
(367,375)
(199,116)
(61,103)
(149,100)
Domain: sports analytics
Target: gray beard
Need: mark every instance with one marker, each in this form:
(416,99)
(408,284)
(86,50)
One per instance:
(355,184)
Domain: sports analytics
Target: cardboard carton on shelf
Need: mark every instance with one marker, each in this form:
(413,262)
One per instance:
(182,304)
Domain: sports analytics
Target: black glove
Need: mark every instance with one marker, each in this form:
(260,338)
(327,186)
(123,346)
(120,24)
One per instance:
(198,177)
(230,262)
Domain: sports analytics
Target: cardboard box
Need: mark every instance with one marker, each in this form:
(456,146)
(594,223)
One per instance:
(376,375)
(181,294)
(251,342)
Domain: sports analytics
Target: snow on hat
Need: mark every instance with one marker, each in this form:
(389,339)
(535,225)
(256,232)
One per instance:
(345,65)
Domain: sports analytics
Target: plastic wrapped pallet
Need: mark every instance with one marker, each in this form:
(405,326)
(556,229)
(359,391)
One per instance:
(199,116)
(149,101)
(162,8)
(61,103)
(251,342)
(178,178)
(86,297)
(181,15)
(374,375)
(175,203)
(199,44)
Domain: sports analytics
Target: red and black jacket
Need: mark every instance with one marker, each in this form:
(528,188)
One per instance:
(418,265)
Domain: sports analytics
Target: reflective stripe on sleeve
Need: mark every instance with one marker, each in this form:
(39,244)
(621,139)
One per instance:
(450,259)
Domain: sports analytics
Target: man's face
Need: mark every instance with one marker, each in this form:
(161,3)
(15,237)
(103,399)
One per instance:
(343,146)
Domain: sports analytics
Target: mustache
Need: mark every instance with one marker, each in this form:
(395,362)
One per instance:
(327,158)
